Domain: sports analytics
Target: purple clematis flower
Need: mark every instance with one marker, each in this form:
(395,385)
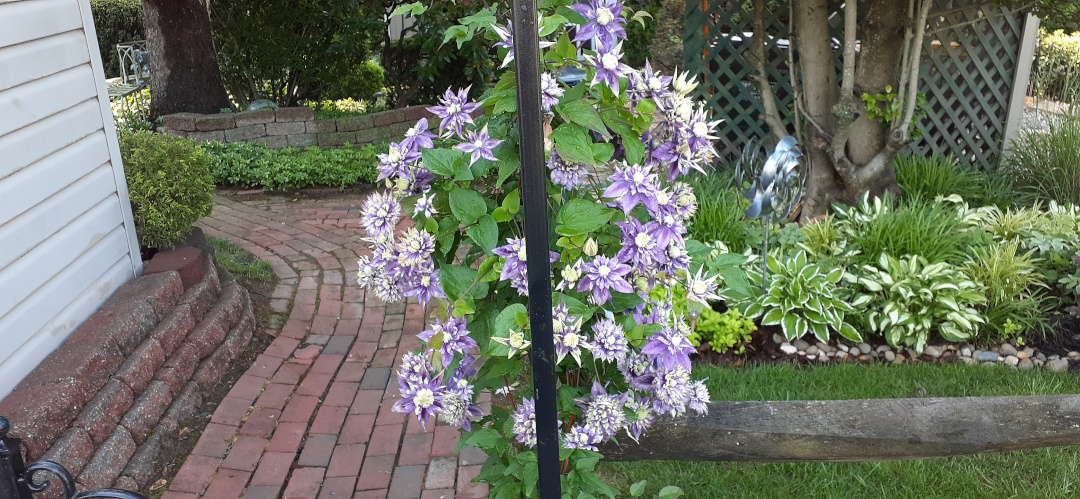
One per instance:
(479,145)
(637,370)
(655,83)
(580,437)
(640,244)
(603,414)
(455,338)
(415,248)
(609,341)
(565,173)
(550,92)
(603,275)
(395,162)
(672,389)
(515,268)
(642,409)
(605,22)
(506,37)
(418,137)
(455,110)
(699,397)
(425,285)
(525,423)
(609,68)
(669,348)
(631,185)
(379,215)
(423,398)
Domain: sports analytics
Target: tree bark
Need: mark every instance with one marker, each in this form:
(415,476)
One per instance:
(819,94)
(879,66)
(857,430)
(184,74)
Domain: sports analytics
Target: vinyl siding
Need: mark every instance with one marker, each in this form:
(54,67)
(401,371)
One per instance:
(66,237)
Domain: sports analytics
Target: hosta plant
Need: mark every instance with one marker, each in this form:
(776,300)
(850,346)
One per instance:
(802,298)
(907,300)
(620,143)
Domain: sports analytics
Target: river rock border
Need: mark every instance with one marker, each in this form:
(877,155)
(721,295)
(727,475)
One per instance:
(104,403)
(1016,357)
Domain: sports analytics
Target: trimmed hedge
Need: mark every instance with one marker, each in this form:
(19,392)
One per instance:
(169,184)
(116,21)
(289,169)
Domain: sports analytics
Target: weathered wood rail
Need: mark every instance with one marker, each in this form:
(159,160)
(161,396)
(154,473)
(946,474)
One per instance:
(857,430)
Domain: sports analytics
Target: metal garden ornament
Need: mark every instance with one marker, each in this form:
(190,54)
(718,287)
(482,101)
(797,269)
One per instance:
(775,190)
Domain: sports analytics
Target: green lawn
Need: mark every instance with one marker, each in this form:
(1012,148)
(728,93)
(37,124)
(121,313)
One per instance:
(1038,473)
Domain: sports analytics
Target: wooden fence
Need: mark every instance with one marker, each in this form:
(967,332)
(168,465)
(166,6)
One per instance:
(975,68)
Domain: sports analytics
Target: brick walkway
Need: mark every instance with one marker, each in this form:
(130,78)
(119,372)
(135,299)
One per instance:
(311,418)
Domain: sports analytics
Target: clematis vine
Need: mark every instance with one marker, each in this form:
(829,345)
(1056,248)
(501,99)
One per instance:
(605,22)
(455,110)
(479,145)
(609,67)
(506,40)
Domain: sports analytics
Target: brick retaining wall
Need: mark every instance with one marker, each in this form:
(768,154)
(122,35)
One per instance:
(104,402)
(293,127)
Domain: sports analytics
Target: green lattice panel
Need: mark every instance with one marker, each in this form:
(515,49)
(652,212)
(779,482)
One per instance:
(967,86)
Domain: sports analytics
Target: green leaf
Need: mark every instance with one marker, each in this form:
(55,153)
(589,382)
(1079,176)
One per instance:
(552,23)
(735,279)
(571,14)
(670,492)
(624,301)
(507,319)
(635,148)
(415,8)
(645,107)
(487,265)
(602,153)
(501,215)
(512,202)
(463,307)
(456,279)
(468,205)
(849,332)
(441,161)
(483,19)
(485,233)
(579,216)
(564,48)
(506,168)
(484,438)
(773,317)
(637,489)
(573,144)
(461,34)
(583,113)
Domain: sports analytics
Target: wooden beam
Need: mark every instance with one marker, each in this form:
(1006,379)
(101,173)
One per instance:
(857,430)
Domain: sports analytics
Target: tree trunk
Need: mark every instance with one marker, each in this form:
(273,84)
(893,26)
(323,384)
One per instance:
(184,75)
(849,153)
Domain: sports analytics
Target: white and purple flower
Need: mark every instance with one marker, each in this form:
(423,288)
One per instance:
(602,276)
(380,214)
(550,92)
(479,145)
(631,185)
(604,21)
(669,347)
(524,426)
(418,137)
(506,40)
(455,110)
(609,68)
(567,174)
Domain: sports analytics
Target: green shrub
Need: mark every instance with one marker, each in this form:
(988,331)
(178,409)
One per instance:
(935,176)
(639,37)
(802,297)
(359,81)
(1047,163)
(722,332)
(116,21)
(916,227)
(1057,69)
(719,215)
(908,299)
(289,169)
(169,184)
(1011,286)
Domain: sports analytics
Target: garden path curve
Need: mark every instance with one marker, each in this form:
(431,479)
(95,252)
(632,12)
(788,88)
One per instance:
(311,418)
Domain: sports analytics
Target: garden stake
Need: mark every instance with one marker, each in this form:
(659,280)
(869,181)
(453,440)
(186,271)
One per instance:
(534,206)
(776,188)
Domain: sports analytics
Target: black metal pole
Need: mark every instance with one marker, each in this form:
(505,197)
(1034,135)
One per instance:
(534,196)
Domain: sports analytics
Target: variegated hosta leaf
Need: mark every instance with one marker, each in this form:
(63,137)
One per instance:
(773,317)
(821,332)
(849,332)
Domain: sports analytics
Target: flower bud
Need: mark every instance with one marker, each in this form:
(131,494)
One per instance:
(591,248)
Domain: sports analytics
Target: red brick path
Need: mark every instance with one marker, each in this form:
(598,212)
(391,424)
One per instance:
(311,418)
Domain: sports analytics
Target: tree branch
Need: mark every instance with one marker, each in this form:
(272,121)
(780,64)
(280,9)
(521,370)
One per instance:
(791,71)
(844,110)
(900,128)
(760,77)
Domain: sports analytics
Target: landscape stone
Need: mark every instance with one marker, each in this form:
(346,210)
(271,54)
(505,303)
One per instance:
(1074,355)
(883,348)
(988,357)
(864,348)
(843,347)
(900,358)
(824,347)
(811,357)
(890,355)
(841,355)
(1007,349)
(932,351)
(1040,356)
(1025,364)
(1012,361)
(969,361)
(1058,365)
(801,345)
(966,352)
(778,338)
(813,350)
(788,348)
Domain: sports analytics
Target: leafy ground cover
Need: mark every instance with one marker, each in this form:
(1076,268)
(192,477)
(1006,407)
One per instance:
(255,165)
(1038,473)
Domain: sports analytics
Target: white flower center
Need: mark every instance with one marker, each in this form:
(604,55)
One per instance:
(394,156)
(639,178)
(699,287)
(479,143)
(447,337)
(609,62)
(423,399)
(685,110)
(521,253)
(462,383)
(604,16)
(663,197)
(642,240)
(516,340)
(412,132)
(701,129)
(655,84)
(571,340)
(603,271)
(453,109)
(425,281)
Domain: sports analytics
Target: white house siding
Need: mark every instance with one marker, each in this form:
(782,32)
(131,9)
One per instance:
(66,236)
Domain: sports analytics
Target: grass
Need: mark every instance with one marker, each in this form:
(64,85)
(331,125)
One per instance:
(1037,473)
(1046,163)
(915,227)
(719,215)
(240,263)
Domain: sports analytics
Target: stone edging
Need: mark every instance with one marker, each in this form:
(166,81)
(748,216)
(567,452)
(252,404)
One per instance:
(104,402)
(1022,358)
(293,127)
